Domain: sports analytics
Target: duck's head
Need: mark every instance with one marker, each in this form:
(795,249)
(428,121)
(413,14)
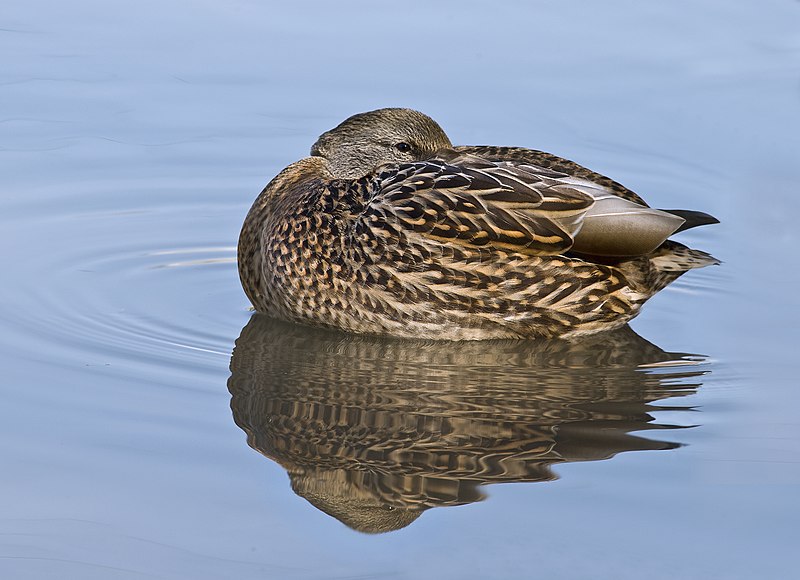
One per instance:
(364,141)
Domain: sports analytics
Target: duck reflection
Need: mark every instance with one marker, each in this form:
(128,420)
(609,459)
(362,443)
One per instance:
(375,431)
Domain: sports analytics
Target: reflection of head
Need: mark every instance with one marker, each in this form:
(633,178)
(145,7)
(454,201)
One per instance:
(361,512)
(375,431)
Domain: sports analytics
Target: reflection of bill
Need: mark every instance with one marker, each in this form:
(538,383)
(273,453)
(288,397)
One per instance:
(374,431)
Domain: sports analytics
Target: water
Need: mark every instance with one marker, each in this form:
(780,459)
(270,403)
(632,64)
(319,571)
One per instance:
(133,139)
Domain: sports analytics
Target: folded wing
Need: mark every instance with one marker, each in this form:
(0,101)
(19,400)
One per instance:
(512,205)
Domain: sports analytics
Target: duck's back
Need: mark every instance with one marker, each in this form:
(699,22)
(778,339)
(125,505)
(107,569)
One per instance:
(552,162)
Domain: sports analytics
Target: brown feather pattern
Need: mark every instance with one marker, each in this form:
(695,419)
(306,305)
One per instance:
(471,243)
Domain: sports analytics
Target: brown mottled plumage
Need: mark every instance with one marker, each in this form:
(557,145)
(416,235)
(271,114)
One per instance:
(388,229)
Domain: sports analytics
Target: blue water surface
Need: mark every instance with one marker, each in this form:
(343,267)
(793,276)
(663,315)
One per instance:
(135,135)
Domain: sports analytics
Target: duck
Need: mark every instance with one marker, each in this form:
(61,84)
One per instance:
(387,228)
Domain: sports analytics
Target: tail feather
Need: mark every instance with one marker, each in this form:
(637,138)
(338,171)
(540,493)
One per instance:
(672,260)
(652,273)
(692,218)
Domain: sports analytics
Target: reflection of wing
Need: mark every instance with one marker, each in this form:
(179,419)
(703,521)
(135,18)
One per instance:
(374,431)
(552,162)
(469,200)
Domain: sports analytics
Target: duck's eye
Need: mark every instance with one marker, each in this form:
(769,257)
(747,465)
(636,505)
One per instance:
(403,147)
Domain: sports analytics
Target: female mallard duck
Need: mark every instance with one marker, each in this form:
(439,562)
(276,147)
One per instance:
(387,228)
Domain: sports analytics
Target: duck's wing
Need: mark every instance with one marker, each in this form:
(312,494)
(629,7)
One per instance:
(464,199)
(459,198)
(552,162)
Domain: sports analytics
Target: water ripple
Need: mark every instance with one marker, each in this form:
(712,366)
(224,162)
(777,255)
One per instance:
(139,288)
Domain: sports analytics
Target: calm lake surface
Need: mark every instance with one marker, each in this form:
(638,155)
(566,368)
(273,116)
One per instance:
(152,427)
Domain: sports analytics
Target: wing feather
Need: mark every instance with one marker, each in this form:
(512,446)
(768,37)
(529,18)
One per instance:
(466,199)
(552,162)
